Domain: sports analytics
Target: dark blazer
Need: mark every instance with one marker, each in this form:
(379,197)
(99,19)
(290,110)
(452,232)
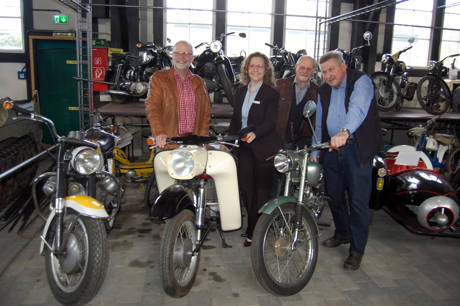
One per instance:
(262,117)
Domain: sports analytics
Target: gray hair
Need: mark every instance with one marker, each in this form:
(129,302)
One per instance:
(306,56)
(332,55)
(183,42)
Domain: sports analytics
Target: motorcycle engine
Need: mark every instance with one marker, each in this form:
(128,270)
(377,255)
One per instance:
(437,213)
(138,88)
(209,70)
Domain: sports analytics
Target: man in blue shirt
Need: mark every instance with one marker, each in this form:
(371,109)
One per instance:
(347,117)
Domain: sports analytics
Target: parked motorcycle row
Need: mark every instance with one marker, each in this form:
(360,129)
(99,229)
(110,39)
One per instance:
(129,74)
(195,188)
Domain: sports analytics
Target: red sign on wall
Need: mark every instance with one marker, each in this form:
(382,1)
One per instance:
(99,68)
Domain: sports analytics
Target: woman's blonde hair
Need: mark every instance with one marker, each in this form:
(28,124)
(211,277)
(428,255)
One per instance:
(269,76)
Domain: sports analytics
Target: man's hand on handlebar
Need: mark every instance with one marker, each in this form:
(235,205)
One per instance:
(160,140)
(338,140)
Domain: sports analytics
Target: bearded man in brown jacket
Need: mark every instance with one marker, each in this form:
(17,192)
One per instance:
(295,91)
(178,102)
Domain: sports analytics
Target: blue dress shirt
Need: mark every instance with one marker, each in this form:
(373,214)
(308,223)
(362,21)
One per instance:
(338,118)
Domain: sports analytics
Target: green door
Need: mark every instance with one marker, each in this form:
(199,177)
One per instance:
(58,92)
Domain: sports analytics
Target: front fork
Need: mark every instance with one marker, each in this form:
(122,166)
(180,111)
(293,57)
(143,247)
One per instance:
(200,216)
(298,213)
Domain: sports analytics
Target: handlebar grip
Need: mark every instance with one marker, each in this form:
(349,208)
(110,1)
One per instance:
(10,104)
(271,46)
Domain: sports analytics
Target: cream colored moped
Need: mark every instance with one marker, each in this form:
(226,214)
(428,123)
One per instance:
(198,188)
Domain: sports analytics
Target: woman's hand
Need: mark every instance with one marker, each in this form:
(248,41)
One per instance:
(249,137)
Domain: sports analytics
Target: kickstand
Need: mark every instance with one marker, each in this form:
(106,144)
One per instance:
(221,234)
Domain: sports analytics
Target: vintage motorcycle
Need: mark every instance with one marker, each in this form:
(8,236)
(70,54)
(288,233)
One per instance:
(74,239)
(353,58)
(284,61)
(391,83)
(129,75)
(433,94)
(285,241)
(198,189)
(418,198)
(216,69)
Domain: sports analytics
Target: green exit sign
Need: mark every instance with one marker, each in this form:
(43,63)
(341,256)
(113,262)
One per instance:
(60,19)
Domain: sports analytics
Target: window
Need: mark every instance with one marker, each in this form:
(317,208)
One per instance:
(11,37)
(189,20)
(417,13)
(450,38)
(255,19)
(300,30)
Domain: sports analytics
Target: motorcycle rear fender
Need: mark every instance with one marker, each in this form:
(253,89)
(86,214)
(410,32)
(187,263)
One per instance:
(171,201)
(271,205)
(84,205)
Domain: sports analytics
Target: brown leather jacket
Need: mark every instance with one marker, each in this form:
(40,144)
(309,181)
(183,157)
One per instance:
(287,95)
(162,109)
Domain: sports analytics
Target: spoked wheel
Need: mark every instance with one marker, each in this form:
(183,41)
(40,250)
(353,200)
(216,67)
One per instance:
(280,267)
(76,276)
(386,91)
(150,191)
(433,95)
(179,265)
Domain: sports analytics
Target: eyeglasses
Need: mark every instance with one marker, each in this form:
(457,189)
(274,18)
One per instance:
(177,53)
(252,66)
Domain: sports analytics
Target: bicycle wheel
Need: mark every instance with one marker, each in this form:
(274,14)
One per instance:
(433,95)
(386,91)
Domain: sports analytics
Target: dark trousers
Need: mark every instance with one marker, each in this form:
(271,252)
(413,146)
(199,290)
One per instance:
(255,180)
(344,172)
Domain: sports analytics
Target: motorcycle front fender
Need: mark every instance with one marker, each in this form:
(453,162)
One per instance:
(171,201)
(84,205)
(274,203)
(271,205)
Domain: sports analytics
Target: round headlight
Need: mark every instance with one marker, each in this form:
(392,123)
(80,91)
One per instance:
(282,163)
(86,160)
(431,65)
(215,46)
(181,163)
(386,58)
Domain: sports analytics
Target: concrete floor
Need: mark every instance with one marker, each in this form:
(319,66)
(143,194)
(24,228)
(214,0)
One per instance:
(399,268)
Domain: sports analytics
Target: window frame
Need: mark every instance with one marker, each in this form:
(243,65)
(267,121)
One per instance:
(27,25)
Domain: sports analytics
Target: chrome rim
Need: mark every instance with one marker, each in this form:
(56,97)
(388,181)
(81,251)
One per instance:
(184,261)
(285,264)
(70,268)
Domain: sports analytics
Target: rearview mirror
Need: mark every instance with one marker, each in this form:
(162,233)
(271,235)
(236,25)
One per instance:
(367,36)
(309,109)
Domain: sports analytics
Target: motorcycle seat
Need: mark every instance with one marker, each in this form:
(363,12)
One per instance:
(446,139)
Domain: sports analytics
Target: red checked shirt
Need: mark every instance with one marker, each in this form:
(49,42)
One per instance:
(186,103)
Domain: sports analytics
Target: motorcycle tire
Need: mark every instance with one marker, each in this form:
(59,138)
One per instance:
(150,191)
(386,97)
(178,265)
(226,83)
(270,249)
(433,95)
(77,277)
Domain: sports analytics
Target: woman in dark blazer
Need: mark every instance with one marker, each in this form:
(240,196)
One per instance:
(256,108)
